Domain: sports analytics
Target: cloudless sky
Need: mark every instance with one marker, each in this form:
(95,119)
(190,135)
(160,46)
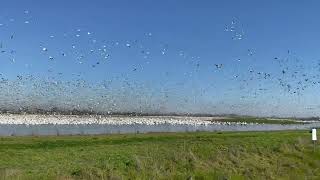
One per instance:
(245,57)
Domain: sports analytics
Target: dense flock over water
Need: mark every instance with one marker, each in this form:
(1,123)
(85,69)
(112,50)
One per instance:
(71,92)
(19,124)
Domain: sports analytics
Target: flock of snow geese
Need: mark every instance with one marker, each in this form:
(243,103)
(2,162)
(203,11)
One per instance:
(293,78)
(15,119)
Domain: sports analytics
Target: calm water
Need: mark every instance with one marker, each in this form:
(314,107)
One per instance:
(91,129)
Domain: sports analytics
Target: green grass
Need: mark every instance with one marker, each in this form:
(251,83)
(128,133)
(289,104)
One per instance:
(236,155)
(258,120)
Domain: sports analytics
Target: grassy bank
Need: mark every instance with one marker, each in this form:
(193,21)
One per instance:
(245,155)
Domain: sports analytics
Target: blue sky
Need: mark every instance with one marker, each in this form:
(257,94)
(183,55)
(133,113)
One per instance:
(169,52)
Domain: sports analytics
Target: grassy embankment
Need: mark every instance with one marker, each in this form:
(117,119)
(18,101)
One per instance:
(234,155)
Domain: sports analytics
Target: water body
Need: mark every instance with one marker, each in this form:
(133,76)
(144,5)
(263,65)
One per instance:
(95,129)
